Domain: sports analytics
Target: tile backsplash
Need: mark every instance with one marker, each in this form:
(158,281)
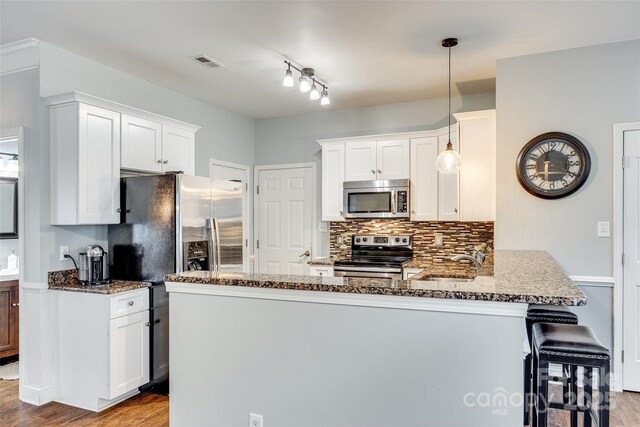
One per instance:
(457,237)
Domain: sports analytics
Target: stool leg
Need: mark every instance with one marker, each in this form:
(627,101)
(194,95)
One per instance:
(542,394)
(527,388)
(573,374)
(588,394)
(534,390)
(603,395)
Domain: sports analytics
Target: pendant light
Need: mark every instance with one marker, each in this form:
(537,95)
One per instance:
(449,161)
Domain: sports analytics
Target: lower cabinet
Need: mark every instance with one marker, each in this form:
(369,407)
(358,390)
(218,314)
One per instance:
(9,306)
(101,347)
(408,272)
(321,270)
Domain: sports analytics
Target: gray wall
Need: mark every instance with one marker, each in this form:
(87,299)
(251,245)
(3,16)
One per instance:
(582,92)
(224,135)
(293,139)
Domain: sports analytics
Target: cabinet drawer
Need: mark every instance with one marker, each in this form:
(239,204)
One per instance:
(128,303)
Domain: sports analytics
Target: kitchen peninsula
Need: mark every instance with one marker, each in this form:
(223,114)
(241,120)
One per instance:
(303,350)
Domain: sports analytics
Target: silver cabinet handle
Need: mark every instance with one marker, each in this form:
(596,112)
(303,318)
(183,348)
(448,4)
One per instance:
(159,161)
(373,172)
(15,304)
(455,210)
(413,211)
(320,273)
(379,171)
(341,213)
(164,162)
(130,302)
(118,210)
(147,324)
(307,253)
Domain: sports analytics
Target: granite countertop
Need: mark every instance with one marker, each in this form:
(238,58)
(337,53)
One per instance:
(531,277)
(322,261)
(67,280)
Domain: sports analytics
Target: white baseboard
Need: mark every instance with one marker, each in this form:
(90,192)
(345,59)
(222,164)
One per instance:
(35,395)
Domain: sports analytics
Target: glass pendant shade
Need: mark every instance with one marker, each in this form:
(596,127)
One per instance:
(12,165)
(325,98)
(314,94)
(449,162)
(305,85)
(288,79)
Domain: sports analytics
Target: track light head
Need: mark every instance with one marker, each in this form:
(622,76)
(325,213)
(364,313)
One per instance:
(325,98)
(314,94)
(288,78)
(306,75)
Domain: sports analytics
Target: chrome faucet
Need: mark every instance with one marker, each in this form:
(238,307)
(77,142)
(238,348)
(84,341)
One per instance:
(477,258)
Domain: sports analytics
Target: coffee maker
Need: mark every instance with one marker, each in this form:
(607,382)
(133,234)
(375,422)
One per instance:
(94,266)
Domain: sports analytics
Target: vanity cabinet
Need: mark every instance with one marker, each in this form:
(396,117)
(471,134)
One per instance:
(92,139)
(333,169)
(101,347)
(9,312)
(377,159)
(85,164)
(321,270)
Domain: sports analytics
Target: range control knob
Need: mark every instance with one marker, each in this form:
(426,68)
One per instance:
(404,240)
(364,239)
(397,239)
(358,240)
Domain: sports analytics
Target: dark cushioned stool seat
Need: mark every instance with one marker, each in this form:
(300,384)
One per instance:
(540,313)
(568,339)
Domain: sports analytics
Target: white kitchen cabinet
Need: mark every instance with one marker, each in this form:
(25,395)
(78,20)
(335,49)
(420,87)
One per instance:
(100,347)
(321,270)
(129,359)
(477,138)
(448,185)
(392,159)
(85,164)
(333,169)
(360,161)
(370,160)
(141,144)
(178,150)
(424,179)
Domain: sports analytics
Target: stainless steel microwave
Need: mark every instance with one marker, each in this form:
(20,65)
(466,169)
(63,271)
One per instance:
(376,199)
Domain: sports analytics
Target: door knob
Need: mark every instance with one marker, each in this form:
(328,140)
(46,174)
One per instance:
(307,253)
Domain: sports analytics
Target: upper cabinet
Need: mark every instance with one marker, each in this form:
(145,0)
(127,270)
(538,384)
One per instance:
(477,138)
(371,160)
(466,196)
(92,139)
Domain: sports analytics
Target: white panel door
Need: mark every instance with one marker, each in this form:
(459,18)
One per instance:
(424,179)
(631,236)
(129,353)
(333,166)
(285,220)
(448,185)
(98,165)
(393,159)
(360,158)
(141,144)
(477,141)
(178,150)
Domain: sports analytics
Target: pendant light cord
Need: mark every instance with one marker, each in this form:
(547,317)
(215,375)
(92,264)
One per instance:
(449,145)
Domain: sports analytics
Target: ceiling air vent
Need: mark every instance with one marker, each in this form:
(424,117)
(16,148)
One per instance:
(206,61)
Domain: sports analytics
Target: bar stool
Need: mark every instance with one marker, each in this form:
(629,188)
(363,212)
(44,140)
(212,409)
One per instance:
(573,346)
(537,314)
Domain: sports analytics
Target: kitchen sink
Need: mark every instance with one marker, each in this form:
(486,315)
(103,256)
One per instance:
(446,279)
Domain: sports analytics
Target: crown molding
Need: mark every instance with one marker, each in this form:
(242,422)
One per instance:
(19,56)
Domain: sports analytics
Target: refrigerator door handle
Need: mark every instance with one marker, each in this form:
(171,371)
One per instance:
(218,251)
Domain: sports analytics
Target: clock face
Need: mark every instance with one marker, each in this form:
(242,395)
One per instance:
(553,165)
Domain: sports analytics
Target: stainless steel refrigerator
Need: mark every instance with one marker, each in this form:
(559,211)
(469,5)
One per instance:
(172,223)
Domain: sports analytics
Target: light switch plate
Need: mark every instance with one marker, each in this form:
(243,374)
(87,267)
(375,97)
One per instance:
(255,420)
(604,229)
(438,239)
(323,227)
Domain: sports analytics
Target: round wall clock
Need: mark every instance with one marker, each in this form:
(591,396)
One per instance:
(553,165)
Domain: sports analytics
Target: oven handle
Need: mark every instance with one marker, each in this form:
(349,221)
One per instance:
(368,269)
(367,274)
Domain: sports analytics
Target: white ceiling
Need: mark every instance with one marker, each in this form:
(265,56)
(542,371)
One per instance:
(369,53)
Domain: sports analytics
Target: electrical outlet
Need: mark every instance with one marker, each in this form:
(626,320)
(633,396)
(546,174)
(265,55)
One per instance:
(339,240)
(438,239)
(64,250)
(323,227)
(255,420)
(604,229)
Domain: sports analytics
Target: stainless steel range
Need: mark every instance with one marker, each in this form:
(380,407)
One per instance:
(376,256)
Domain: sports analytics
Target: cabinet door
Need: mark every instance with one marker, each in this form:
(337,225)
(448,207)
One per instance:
(333,166)
(178,150)
(478,174)
(141,144)
(448,184)
(321,271)
(393,159)
(98,165)
(8,318)
(360,160)
(129,353)
(424,179)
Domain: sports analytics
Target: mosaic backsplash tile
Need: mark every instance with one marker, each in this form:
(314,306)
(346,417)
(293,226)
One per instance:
(457,237)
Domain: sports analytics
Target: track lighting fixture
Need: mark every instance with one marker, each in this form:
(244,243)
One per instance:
(307,83)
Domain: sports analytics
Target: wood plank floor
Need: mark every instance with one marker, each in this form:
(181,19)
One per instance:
(152,410)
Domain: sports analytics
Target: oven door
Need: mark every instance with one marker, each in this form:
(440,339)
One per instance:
(372,273)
